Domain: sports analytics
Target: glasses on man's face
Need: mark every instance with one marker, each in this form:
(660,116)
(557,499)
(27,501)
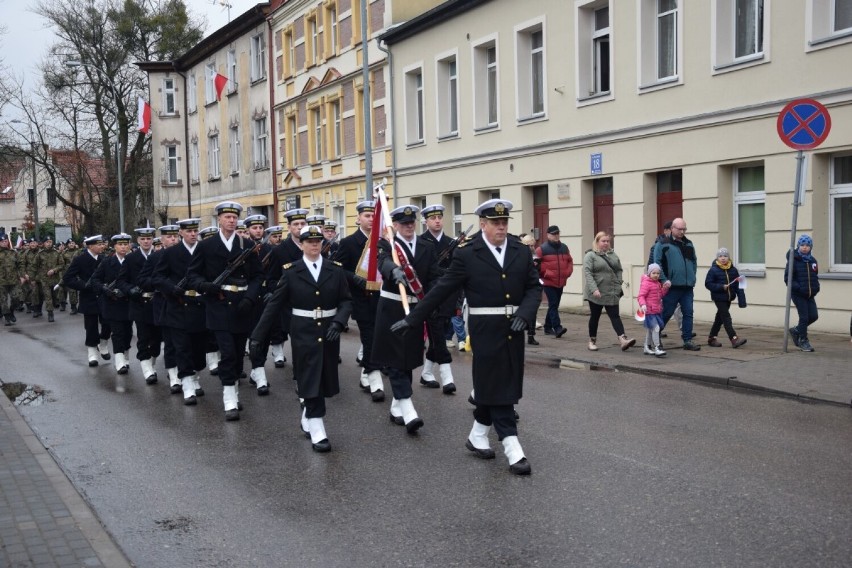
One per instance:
(679,228)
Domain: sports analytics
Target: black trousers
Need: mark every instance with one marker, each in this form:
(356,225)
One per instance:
(315,407)
(122,333)
(148,339)
(169,351)
(436,331)
(595,316)
(501,417)
(400,383)
(723,318)
(97,328)
(366,329)
(189,348)
(808,314)
(231,349)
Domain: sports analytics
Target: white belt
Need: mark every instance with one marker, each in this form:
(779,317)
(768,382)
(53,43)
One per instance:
(191,293)
(147,294)
(230,288)
(412,299)
(501,311)
(315,314)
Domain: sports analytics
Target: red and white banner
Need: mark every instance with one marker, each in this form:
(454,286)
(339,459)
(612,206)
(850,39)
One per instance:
(144,116)
(368,264)
(219,81)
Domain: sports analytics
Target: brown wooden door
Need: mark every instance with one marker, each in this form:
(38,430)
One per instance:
(669,206)
(541,220)
(604,214)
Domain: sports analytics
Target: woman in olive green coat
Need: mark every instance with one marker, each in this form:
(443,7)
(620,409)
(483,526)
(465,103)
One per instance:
(602,289)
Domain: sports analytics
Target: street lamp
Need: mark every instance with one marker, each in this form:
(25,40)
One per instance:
(119,167)
(33,146)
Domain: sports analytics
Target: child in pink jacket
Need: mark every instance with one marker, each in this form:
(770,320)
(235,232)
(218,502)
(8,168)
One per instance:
(651,293)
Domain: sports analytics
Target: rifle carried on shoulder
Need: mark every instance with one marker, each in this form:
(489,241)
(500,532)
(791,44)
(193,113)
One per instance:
(236,263)
(446,254)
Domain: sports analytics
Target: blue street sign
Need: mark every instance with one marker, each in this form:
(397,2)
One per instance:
(597,164)
(803,124)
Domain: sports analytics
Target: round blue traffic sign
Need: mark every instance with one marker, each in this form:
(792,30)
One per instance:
(804,124)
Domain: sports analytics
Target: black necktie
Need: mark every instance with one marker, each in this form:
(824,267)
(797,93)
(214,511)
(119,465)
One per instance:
(411,246)
(499,250)
(315,266)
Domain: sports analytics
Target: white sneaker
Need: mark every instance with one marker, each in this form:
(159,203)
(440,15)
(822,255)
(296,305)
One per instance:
(462,345)
(647,350)
(451,343)
(659,352)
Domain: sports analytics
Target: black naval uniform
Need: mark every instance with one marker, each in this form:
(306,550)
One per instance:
(313,305)
(364,302)
(228,311)
(77,277)
(498,356)
(400,354)
(436,325)
(158,310)
(141,294)
(114,305)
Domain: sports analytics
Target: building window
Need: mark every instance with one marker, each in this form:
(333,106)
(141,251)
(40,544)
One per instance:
(337,130)
(316,128)
(530,66)
(191,93)
(457,213)
(331,27)
(448,96)
(210,83)
(485,82)
(414,111)
(660,42)
(741,32)
(169,96)
(258,57)
(841,16)
(749,217)
(193,161)
(593,38)
(171,165)
(313,40)
(234,148)
(51,196)
(215,171)
(260,150)
(830,19)
(293,140)
(232,71)
(289,52)
(840,194)
(338,215)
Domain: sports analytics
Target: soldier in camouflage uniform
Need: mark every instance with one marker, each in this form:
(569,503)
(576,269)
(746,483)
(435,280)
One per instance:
(10,278)
(49,267)
(68,255)
(29,291)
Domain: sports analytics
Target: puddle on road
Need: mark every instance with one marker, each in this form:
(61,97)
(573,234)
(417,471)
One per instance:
(583,366)
(24,395)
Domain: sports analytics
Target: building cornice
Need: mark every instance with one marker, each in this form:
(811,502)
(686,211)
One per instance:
(429,19)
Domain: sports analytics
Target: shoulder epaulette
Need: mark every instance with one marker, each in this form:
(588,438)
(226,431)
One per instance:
(337,263)
(287,266)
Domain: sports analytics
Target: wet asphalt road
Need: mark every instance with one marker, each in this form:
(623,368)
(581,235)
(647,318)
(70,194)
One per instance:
(627,470)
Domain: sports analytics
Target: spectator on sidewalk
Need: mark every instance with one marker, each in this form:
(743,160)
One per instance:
(602,289)
(723,281)
(457,325)
(667,232)
(651,294)
(555,269)
(679,266)
(805,275)
(529,241)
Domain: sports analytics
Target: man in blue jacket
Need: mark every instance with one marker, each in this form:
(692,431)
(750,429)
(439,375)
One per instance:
(676,257)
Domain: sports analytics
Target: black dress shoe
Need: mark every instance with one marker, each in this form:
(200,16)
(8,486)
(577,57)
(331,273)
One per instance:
(532,341)
(413,426)
(93,363)
(279,364)
(231,415)
(560,332)
(378,396)
(449,388)
(13,318)
(521,467)
(50,317)
(123,370)
(365,388)
(470,400)
(548,332)
(191,401)
(397,420)
(243,374)
(199,392)
(517,417)
(322,446)
(263,391)
(252,382)
(487,454)
(106,356)
(175,389)
(239,405)
(429,384)
(215,372)
(152,380)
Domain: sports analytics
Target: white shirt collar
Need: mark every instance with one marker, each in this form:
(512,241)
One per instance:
(315,272)
(499,255)
(190,249)
(229,243)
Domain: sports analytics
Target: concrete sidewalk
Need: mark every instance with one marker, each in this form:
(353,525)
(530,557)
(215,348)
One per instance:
(760,365)
(43,519)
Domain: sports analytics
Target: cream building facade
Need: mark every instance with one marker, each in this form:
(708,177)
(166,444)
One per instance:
(209,148)
(604,115)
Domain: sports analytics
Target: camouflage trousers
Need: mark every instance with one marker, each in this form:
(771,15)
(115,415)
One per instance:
(47,294)
(30,292)
(9,298)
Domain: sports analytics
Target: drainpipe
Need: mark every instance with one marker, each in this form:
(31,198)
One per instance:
(272,130)
(185,144)
(392,121)
(368,115)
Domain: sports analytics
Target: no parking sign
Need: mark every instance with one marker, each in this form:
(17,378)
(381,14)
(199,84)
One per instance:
(803,124)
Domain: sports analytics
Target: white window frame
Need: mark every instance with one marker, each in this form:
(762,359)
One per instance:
(337,129)
(260,143)
(338,215)
(836,191)
(821,25)
(258,57)
(234,148)
(214,166)
(414,108)
(587,46)
(747,198)
(232,71)
(194,174)
(332,40)
(313,37)
(191,93)
(525,62)
(486,83)
(455,200)
(209,83)
(648,55)
(294,141)
(317,126)
(169,96)
(723,37)
(171,171)
(447,94)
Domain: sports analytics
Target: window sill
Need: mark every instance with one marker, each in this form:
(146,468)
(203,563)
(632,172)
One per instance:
(741,63)
(660,84)
(595,98)
(830,40)
(195,182)
(753,272)
(168,184)
(235,174)
(261,168)
(209,104)
(193,111)
(451,136)
(486,129)
(256,81)
(415,144)
(539,117)
(836,276)
(214,178)
(164,115)
(232,93)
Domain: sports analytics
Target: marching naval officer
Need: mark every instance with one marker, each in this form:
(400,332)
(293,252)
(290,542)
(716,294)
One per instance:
(316,293)
(78,277)
(115,307)
(501,285)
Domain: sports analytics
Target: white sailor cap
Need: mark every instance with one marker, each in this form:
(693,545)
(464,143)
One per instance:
(318,220)
(255,220)
(494,209)
(169,230)
(229,207)
(189,224)
(405,214)
(368,205)
(310,232)
(296,214)
(93,240)
(120,238)
(145,231)
(208,232)
(273,230)
(432,210)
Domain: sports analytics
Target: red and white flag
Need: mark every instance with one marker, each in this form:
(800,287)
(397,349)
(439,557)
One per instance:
(219,81)
(144,116)
(368,263)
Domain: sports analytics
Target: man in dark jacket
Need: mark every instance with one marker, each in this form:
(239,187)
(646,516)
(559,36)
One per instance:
(676,257)
(555,269)
(78,277)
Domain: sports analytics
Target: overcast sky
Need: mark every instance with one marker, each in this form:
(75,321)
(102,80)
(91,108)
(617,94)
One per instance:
(26,40)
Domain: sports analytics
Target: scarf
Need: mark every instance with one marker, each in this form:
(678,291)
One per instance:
(805,257)
(726,266)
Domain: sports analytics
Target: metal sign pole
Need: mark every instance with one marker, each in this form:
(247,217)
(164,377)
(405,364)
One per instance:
(797,199)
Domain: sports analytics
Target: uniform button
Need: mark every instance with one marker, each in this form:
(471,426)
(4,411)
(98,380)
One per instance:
(510,337)
(317,292)
(319,323)
(503,276)
(507,296)
(319,339)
